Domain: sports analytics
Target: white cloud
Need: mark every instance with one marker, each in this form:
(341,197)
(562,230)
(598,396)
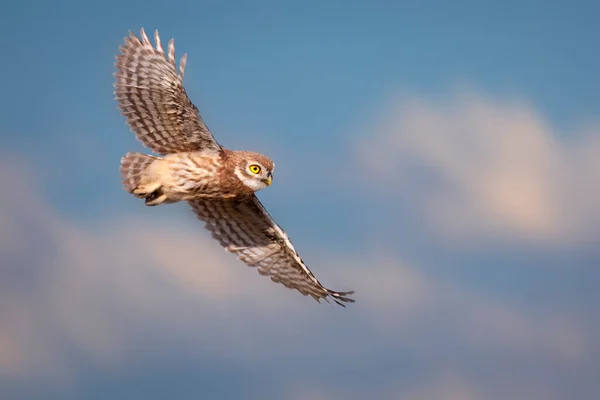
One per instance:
(448,386)
(68,288)
(479,168)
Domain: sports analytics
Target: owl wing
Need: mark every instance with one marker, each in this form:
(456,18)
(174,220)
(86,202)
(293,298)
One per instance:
(151,96)
(245,228)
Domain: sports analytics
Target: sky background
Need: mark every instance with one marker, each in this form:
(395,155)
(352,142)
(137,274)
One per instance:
(440,158)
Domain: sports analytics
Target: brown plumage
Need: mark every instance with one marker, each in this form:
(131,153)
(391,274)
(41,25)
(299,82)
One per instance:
(219,184)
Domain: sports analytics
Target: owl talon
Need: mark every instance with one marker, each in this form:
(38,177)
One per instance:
(141,193)
(155,198)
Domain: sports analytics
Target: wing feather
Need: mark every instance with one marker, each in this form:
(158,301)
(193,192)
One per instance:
(243,227)
(150,93)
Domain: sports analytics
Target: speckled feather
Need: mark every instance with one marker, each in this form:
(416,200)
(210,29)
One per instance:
(151,96)
(133,166)
(245,228)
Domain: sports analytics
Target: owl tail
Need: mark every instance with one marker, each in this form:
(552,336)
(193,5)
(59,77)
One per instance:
(133,166)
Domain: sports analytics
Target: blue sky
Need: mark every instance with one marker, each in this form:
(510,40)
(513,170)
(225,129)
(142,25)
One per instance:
(438,157)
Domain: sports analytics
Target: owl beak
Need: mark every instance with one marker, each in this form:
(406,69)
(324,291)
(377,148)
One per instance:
(269,180)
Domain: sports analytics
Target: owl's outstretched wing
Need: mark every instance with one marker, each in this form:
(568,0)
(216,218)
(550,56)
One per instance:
(245,228)
(151,96)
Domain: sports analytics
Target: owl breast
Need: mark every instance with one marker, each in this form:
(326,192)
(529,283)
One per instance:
(195,175)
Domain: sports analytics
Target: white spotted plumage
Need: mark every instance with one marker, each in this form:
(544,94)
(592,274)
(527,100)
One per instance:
(219,184)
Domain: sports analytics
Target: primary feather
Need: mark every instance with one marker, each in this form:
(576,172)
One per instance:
(151,96)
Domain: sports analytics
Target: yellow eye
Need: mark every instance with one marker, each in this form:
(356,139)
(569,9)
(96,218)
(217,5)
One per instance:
(255,169)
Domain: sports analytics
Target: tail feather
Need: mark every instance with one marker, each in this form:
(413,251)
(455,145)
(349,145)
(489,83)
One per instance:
(132,168)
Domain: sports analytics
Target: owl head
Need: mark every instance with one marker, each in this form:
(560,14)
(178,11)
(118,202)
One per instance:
(254,170)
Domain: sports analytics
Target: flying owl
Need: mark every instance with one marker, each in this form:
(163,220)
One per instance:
(219,184)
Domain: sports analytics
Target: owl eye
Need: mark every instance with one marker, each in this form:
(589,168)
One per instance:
(255,169)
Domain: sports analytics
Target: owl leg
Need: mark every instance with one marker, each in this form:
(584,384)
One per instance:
(145,189)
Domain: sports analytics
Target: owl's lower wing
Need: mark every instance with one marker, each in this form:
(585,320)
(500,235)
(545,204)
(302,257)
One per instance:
(244,227)
(151,96)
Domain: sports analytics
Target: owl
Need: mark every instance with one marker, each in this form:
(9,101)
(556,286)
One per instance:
(219,184)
